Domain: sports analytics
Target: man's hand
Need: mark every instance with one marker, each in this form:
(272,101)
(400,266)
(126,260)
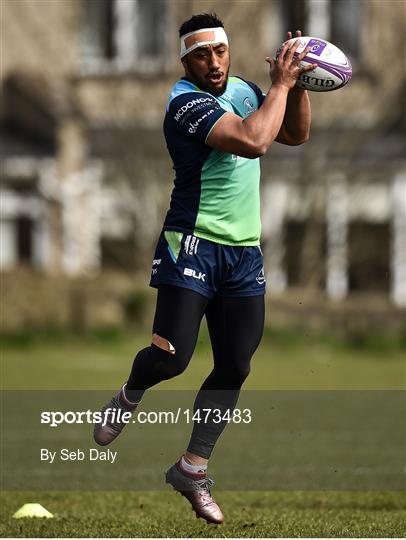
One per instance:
(285,69)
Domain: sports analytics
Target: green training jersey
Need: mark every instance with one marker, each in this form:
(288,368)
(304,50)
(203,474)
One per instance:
(216,194)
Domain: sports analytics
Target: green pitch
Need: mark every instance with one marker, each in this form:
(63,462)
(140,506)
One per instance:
(248,514)
(283,362)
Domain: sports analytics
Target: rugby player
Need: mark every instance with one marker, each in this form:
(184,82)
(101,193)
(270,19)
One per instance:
(208,259)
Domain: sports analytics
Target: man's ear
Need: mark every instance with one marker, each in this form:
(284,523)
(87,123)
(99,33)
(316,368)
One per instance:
(185,66)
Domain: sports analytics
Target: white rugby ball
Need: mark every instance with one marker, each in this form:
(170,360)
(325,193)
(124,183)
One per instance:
(333,69)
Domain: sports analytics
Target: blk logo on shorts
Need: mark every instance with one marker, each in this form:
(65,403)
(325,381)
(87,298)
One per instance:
(194,274)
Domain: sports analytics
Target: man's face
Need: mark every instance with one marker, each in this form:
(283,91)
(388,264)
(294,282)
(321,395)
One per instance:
(208,67)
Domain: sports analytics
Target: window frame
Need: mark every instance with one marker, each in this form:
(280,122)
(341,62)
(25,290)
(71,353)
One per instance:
(305,9)
(127,60)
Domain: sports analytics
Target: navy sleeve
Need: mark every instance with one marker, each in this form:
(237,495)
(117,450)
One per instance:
(195,113)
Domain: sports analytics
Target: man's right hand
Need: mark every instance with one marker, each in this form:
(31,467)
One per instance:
(285,69)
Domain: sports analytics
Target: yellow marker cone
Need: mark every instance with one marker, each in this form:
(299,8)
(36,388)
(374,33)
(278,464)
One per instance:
(31,510)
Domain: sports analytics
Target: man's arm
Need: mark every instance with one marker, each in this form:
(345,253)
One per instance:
(251,137)
(295,128)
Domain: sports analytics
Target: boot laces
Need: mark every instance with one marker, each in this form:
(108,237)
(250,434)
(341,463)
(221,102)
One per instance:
(203,488)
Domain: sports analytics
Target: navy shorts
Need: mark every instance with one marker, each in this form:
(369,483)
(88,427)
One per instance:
(207,267)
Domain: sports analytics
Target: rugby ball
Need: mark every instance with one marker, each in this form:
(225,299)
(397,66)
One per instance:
(333,69)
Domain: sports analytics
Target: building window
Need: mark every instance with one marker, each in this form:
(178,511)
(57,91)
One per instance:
(124,35)
(338,21)
(369,267)
(98,29)
(346,26)
(293,16)
(25,228)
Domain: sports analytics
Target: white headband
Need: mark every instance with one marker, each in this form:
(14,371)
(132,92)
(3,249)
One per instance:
(208,36)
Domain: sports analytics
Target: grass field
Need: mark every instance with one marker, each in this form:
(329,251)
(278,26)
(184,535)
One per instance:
(284,362)
(248,514)
(293,361)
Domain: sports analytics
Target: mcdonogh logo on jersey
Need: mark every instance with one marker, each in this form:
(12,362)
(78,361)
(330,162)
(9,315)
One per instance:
(189,105)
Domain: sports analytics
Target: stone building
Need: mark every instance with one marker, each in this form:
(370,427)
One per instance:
(85,175)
